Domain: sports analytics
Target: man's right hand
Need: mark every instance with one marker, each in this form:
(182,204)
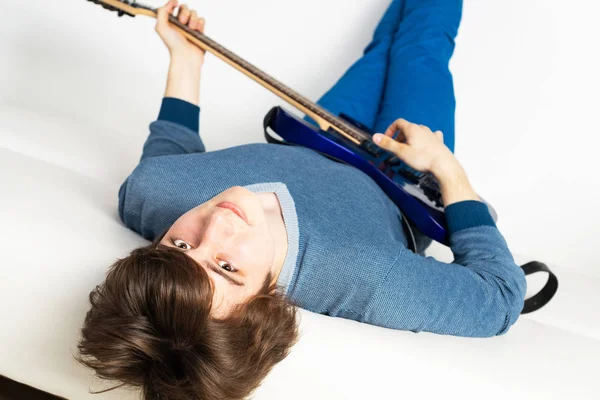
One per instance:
(425,151)
(417,146)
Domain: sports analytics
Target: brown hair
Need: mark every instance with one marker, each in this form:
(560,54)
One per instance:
(150,327)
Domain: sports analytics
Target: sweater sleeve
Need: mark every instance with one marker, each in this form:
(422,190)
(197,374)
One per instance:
(479,294)
(176,131)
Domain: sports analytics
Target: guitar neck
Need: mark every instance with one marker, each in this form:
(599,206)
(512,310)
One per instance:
(324,118)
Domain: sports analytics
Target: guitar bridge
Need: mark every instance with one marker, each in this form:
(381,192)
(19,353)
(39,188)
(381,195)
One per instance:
(431,188)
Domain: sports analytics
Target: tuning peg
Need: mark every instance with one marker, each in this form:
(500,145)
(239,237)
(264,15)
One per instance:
(120,12)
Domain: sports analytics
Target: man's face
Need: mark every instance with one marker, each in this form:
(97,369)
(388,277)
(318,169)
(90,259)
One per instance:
(236,255)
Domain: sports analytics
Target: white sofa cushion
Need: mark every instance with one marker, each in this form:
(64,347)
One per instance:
(70,143)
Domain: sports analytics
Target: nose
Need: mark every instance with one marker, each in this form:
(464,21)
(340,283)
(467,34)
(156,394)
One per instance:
(217,227)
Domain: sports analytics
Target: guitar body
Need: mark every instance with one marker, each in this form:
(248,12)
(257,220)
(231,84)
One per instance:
(415,193)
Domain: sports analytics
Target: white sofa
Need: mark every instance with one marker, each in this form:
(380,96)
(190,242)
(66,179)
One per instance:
(60,170)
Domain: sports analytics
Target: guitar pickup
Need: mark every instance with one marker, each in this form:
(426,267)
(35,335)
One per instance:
(371,148)
(408,175)
(393,161)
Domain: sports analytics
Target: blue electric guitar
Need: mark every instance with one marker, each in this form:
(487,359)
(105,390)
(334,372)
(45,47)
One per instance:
(340,138)
(345,140)
(416,194)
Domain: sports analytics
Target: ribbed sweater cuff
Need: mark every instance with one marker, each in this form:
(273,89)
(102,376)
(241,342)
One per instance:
(180,112)
(467,214)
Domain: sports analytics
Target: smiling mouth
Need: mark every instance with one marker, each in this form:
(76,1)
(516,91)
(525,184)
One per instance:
(230,206)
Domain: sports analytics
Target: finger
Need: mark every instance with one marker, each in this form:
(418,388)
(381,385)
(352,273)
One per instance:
(202,25)
(163,13)
(184,14)
(400,124)
(439,135)
(193,23)
(403,127)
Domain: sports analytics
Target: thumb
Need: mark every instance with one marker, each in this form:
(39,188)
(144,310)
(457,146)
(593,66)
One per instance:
(388,143)
(162,17)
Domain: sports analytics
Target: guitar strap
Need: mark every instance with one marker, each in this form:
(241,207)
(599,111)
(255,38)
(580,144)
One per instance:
(531,304)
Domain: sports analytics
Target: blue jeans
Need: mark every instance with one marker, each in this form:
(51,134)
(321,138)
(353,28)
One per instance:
(403,72)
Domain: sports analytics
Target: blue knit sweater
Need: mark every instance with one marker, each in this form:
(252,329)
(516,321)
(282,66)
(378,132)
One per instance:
(347,254)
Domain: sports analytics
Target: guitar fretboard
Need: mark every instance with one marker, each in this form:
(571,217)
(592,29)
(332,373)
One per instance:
(268,81)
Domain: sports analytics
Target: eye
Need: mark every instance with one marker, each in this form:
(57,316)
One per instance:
(227,267)
(177,243)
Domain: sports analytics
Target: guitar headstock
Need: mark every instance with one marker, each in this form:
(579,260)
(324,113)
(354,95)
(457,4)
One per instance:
(125,7)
